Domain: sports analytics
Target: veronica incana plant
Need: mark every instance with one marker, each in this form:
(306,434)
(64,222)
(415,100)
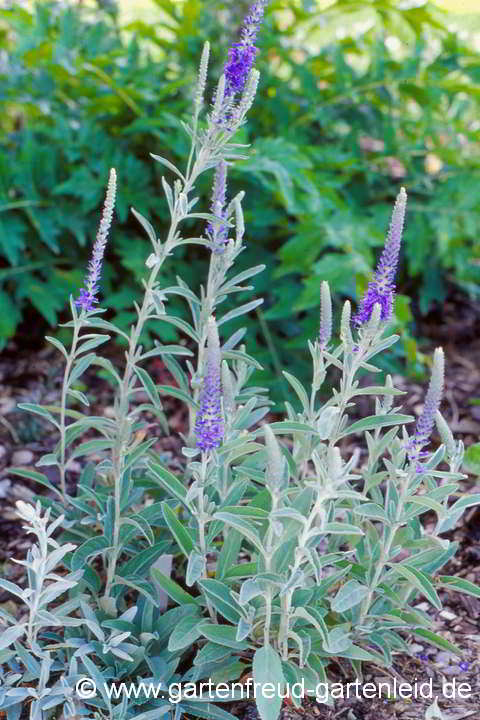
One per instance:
(289,550)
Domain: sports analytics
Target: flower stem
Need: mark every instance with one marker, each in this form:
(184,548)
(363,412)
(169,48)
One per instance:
(385,548)
(63,408)
(202,522)
(122,419)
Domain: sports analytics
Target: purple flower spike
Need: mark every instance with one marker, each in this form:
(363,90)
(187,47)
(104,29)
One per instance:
(218,232)
(382,288)
(88,294)
(209,426)
(241,55)
(426,421)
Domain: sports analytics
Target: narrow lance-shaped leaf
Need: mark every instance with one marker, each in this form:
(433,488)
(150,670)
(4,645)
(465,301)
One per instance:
(375,421)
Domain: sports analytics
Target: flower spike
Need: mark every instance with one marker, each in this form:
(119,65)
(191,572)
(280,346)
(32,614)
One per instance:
(382,288)
(88,294)
(433,398)
(209,426)
(238,83)
(325,332)
(202,76)
(241,55)
(217,231)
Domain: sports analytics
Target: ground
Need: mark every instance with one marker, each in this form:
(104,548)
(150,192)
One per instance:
(29,374)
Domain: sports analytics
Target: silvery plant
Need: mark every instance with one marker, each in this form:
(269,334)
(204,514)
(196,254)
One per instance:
(290,550)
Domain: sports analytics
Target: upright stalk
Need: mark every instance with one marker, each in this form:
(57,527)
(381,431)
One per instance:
(39,581)
(286,604)
(63,408)
(207,309)
(202,520)
(122,419)
(385,547)
(214,280)
(268,562)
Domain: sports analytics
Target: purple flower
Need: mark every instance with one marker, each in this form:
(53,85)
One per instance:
(241,55)
(88,294)
(464,665)
(426,421)
(209,425)
(238,76)
(382,288)
(218,232)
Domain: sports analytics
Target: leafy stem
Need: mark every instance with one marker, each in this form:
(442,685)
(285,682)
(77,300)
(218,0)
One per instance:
(286,604)
(122,419)
(389,532)
(77,324)
(202,519)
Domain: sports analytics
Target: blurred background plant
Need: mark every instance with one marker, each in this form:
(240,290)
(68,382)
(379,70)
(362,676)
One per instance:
(356,99)
(472,454)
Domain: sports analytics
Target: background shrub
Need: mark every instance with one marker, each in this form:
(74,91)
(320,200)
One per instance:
(354,101)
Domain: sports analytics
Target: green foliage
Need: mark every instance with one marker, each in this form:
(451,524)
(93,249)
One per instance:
(355,118)
(355,100)
(472,459)
(78,97)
